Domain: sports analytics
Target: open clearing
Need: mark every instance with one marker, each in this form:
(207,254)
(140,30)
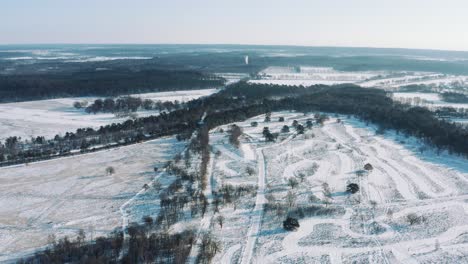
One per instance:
(370,226)
(410,206)
(57,116)
(64,195)
(389,80)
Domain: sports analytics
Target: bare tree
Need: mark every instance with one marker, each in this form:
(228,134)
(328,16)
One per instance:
(326,193)
(291,199)
(250,171)
(302,176)
(51,239)
(208,248)
(413,219)
(313,198)
(220,220)
(81,236)
(389,214)
(157,185)
(292,182)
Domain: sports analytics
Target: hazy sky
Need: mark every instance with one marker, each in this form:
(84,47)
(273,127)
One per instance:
(436,24)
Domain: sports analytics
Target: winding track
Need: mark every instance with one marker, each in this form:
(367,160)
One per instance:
(405,182)
(392,183)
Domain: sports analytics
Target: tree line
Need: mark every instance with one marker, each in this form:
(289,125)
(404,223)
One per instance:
(148,242)
(127,104)
(24,87)
(243,100)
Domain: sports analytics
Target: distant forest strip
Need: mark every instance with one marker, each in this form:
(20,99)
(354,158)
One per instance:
(127,104)
(371,105)
(241,101)
(23,87)
(455,97)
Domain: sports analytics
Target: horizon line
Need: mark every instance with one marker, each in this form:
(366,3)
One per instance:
(235,44)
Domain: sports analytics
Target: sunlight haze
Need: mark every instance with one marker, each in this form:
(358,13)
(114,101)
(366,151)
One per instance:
(427,24)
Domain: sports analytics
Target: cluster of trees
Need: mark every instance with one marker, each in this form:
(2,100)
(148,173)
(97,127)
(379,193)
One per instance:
(66,250)
(229,194)
(370,105)
(144,247)
(182,121)
(451,112)
(244,100)
(234,133)
(128,104)
(454,97)
(22,87)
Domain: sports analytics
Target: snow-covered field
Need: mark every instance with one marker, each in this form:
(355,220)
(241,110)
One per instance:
(58,116)
(370,226)
(310,76)
(232,77)
(426,99)
(381,79)
(64,195)
(408,181)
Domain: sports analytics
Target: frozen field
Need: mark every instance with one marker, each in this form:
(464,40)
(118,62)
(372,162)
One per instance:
(58,116)
(381,79)
(375,225)
(310,76)
(64,195)
(426,99)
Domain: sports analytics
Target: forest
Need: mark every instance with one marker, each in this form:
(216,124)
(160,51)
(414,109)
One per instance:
(455,97)
(236,103)
(239,102)
(127,104)
(110,82)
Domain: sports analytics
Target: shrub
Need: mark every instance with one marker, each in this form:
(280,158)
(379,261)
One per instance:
(291,224)
(352,188)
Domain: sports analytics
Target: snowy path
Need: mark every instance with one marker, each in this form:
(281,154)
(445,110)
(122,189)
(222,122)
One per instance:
(399,179)
(126,213)
(400,183)
(206,220)
(257,213)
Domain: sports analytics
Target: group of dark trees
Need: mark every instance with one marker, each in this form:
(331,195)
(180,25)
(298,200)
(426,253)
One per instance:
(129,104)
(144,247)
(454,97)
(243,100)
(291,224)
(449,112)
(234,133)
(23,87)
(369,105)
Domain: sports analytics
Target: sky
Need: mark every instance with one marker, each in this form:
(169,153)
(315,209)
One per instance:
(423,24)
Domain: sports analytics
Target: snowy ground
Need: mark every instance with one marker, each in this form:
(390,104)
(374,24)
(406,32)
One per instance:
(380,79)
(232,77)
(426,99)
(64,195)
(58,116)
(370,226)
(310,76)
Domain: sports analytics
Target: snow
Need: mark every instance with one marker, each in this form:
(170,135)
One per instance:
(428,99)
(64,195)
(371,225)
(58,116)
(407,177)
(307,76)
(389,80)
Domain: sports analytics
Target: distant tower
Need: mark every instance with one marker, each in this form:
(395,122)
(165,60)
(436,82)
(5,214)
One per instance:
(246,60)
